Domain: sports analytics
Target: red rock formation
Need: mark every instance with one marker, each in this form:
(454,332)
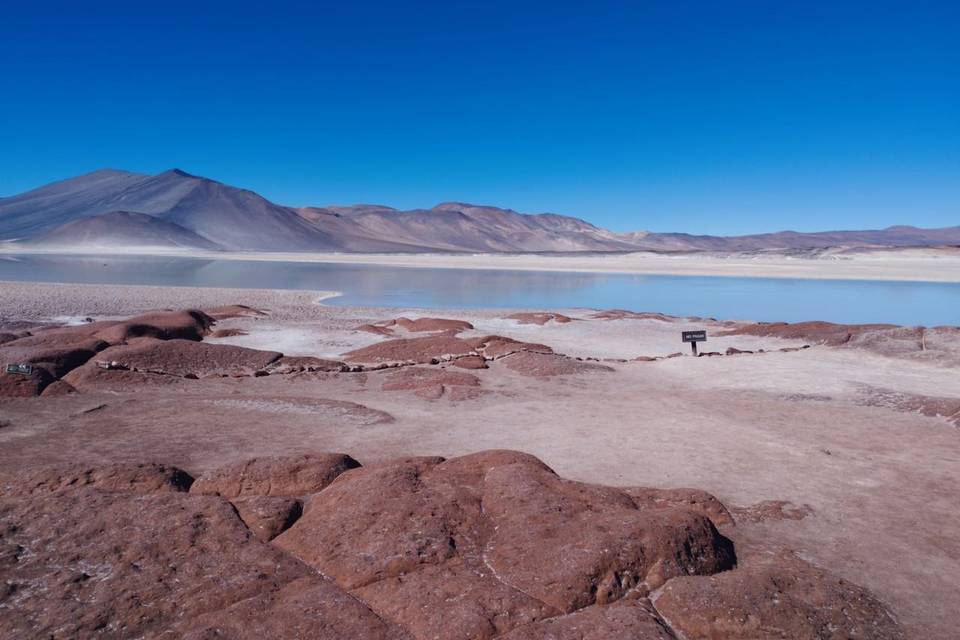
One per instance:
(548,364)
(565,544)
(129,477)
(85,563)
(816,331)
(774,595)
(432,383)
(268,516)
(165,325)
(489,545)
(184,357)
(417,350)
(279,476)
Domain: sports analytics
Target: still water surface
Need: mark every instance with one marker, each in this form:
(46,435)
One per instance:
(910,303)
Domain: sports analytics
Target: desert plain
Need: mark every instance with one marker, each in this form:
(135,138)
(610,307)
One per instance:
(830,452)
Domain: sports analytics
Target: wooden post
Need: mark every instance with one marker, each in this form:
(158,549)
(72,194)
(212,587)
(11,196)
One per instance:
(693,347)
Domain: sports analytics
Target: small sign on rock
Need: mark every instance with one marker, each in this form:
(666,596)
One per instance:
(21,368)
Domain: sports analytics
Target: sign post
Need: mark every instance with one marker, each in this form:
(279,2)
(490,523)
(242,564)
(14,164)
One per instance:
(693,337)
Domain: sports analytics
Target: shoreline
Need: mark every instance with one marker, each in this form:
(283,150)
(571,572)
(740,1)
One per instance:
(906,265)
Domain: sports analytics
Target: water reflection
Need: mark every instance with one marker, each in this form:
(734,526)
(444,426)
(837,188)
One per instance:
(369,285)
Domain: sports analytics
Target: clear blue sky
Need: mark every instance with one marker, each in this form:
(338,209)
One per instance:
(716,117)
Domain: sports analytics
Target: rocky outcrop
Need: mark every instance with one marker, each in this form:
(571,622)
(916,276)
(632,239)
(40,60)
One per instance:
(489,545)
(553,545)
(85,563)
(145,477)
(268,516)
(412,350)
(278,476)
(433,383)
(529,363)
(774,595)
(184,358)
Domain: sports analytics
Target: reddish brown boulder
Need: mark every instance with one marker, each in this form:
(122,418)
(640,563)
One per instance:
(417,350)
(280,476)
(433,325)
(268,516)
(129,477)
(375,329)
(451,600)
(86,563)
(163,325)
(572,545)
(539,318)
(623,620)
(547,364)
(565,544)
(428,383)
(57,352)
(694,499)
(94,377)
(774,595)
(495,347)
(932,406)
(186,358)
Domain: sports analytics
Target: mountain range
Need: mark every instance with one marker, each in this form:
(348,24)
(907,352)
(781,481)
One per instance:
(174,209)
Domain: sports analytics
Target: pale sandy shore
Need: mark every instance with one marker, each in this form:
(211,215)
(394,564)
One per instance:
(876,486)
(930,265)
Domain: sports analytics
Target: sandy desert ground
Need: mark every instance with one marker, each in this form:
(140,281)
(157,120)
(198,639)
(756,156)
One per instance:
(847,453)
(938,264)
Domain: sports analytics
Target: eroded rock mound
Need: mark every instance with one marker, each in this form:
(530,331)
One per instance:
(433,383)
(539,545)
(488,545)
(185,358)
(774,595)
(413,350)
(535,364)
(817,331)
(129,477)
(88,563)
(165,325)
(278,476)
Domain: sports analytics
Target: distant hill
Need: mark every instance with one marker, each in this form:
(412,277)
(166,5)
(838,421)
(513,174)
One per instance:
(175,209)
(121,229)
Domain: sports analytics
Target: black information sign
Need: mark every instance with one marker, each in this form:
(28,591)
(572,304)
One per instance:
(22,369)
(693,337)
